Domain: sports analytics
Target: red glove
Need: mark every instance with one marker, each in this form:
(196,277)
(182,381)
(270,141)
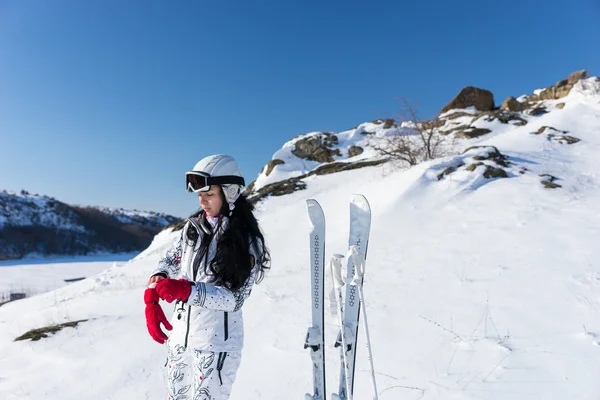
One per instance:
(155,316)
(173,289)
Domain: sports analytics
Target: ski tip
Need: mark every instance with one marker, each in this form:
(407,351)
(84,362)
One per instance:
(315,212)
(311,202)
(361,201)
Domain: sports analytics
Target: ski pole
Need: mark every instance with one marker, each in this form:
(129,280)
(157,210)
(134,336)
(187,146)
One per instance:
(359,273)
(338,282)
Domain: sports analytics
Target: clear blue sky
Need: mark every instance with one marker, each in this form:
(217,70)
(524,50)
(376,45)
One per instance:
(110,102)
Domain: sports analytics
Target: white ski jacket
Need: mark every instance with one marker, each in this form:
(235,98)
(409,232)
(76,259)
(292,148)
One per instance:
(211,319)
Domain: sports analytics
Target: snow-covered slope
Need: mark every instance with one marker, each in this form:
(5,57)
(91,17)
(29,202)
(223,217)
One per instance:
(476,288)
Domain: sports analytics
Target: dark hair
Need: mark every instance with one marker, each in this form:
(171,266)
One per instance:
(233,262)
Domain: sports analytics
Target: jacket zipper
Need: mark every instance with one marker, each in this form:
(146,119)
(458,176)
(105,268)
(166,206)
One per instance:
(204,254)
(226,325)
(187,331)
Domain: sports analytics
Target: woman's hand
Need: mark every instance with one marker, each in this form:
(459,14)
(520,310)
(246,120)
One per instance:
(173,289)
(155,279)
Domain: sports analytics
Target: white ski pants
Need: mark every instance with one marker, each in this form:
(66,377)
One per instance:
(200,375)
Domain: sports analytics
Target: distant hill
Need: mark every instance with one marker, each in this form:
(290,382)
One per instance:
(40,225)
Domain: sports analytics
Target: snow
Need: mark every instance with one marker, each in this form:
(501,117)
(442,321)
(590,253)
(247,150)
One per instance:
(476,288)
(469,110)
(39,275)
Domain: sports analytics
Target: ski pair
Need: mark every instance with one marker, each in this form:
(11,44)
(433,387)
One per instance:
(348,307)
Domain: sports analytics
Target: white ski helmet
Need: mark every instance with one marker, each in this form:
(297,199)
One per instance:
(218,169)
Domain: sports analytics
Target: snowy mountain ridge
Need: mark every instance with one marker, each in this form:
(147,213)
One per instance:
(465,117)
(31,223)
(22,209)
(482,279)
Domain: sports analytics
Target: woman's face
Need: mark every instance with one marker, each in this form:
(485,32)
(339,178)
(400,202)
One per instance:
(211,201)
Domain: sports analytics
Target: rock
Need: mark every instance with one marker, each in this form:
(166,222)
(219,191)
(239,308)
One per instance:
(560,89)
(470,96)
(317,148)
(330,139)
(560,105)
(354,151)
(545,128)
(561,83)
(457,114)
(560,136)
(272,164)
(388,123)
(448,171)
(343,166)
(576,77)
(503,116)
(295,184)
(249,189)
(473,167)
(563,139)
(512,104)
(490,172)
(278,189)
(548,181)
(550,185)
(493,172)
(433,124)
(493,154)
(537,111)
(471,133)
(455,129)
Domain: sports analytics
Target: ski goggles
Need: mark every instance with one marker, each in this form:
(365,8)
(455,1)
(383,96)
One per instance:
(201,181)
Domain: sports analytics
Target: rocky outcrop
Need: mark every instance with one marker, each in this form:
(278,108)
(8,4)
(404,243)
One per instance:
(470,96)
(548,181)
(388,123)
(548,129)
(317,148)
(537,111)
(563,139)
(512,104)
(471,132)
(272,164)
(504,116)
(489,171)
(354,151)
(560,89)
(488,157)
(294,184)
(490,153)
(556,135)
(493,154)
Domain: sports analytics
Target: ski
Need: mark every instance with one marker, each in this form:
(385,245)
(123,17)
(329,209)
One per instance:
(315,336)
(358,240)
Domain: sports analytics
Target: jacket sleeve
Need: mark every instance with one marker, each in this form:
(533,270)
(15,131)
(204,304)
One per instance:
(220,298)
(170,264)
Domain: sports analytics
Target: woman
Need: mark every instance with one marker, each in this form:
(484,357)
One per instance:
(220,255)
